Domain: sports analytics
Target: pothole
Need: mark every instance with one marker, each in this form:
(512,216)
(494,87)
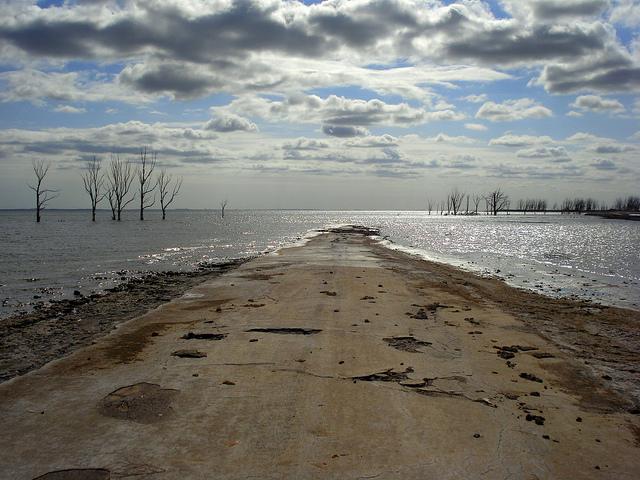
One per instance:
(204,336)
(286,330)
(141,402)
(406,344)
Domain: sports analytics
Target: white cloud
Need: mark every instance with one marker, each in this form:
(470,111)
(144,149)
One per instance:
(595,103)
(475,98)
(511,110)
(336,111)
(69,109)
(510,140)
(477,127)
(626,12)
(228,122)
(556,154)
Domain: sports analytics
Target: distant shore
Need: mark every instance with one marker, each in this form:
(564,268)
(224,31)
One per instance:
(613,215)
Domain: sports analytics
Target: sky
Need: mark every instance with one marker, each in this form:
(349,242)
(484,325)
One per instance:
(336,104)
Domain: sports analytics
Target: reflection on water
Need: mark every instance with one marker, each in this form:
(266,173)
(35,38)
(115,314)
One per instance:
(558,255)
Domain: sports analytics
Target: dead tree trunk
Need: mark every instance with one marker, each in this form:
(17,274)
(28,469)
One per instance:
(93,182)
(223,205)
(167,192)
(147,165)
(43,195)
(120,180)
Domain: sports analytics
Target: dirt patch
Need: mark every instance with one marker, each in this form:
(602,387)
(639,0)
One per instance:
(141,403)
(328,293)
(127,346)
(591,392)
(406,344)
(77,474)
(260,276)
(204,304)
(204,336)
(286,331)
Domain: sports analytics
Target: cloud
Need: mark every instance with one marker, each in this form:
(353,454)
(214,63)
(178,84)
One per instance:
(555,154)
(305,144)
(228,122)
(584,137)
(626,12)
(373,141)
(574,114)
(261,44)
(612,148)
(336,111)
(460,139)
(512,110)
(68,109)
(604,164)
(477,127)
(344,131)
(36,87)
(475,98)
(510,140)
(545,10)
(609,69)
(595,103)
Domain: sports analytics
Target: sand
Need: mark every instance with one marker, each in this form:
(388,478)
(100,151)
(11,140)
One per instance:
(338,359)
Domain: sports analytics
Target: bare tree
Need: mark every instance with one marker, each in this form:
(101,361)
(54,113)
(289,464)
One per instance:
(223,205)
(497,201)
(429,206)
(43,195)
(476,202)
(93,181)
(145,169)
(167,192)
(112,201)
(120,180)
(455,200)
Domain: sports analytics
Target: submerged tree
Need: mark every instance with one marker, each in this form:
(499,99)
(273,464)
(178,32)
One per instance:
(223,205)
(120,180)
(93,181)
(497,201)
(145,169)
(43,195)
(455,200)
(167,192)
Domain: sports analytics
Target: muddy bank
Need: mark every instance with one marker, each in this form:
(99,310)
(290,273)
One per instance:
(55,329)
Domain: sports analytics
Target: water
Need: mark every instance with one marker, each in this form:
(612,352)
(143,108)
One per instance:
(557,255)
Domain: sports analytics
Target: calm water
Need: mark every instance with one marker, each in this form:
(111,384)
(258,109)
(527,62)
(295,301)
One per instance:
(557,255)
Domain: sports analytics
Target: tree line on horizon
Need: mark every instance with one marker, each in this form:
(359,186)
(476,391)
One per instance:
(496,201)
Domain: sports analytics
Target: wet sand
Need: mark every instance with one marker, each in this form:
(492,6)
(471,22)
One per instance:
(339,359)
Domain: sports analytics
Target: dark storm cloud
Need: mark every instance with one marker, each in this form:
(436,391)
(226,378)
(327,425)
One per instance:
(604,165)
(344,131)
(553,9)
(512,45)
(176,79)
(612,148)
(246,26)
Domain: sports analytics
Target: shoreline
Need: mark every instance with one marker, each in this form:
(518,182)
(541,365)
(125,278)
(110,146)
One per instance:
(338,359)
(32,339)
